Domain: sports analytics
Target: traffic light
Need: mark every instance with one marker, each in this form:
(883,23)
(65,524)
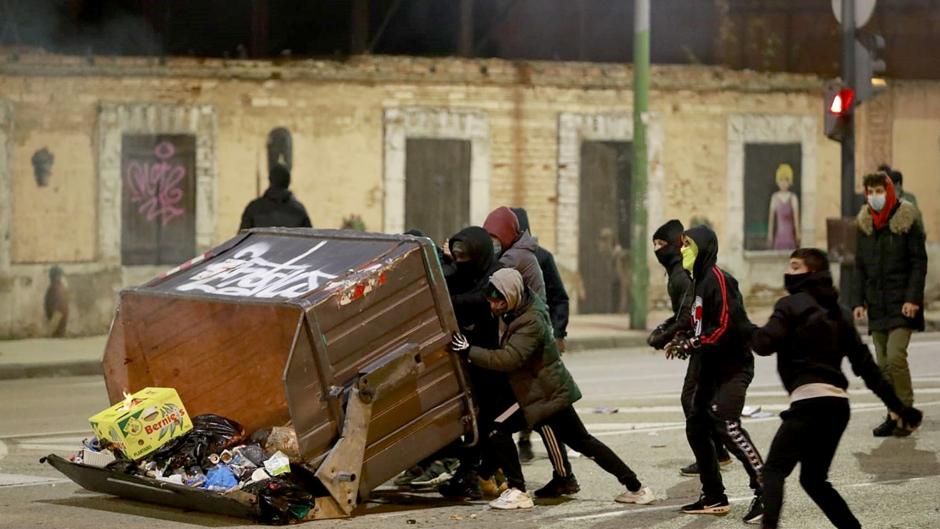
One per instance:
(839,102)
(868,65)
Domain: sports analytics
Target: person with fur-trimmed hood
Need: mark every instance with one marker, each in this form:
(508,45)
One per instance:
(723,367)
(544,389)
(890,276)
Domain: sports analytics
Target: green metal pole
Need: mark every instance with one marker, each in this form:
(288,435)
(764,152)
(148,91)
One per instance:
(639,203)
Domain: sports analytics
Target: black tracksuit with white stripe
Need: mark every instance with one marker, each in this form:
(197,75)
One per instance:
(723,367)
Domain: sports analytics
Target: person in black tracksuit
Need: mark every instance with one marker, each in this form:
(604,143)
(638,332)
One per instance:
(563,481)
(277,207)
(667,242)
(811,334)
(723,367)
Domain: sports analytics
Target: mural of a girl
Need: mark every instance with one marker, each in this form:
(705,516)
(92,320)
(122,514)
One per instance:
(783,224)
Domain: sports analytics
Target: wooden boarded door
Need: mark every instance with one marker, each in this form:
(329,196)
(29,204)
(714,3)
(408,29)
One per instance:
(604,226)
(158,197)
(437,186)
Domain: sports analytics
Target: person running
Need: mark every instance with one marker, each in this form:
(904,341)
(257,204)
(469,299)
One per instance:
(667,246)
(723,368)
(544,389)
(811,334)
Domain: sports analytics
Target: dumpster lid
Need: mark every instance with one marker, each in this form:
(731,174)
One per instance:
(278,264)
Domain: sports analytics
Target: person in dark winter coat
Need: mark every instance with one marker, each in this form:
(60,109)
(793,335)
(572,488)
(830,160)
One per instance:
(515,248)
(277,207)
(811,334)
(723,366)
(557,299)
(890,272)
(667,245)
(543,387)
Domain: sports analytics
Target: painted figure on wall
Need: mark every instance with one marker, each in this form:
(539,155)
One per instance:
(783,223)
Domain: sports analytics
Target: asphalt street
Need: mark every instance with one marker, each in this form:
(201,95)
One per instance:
(630,402)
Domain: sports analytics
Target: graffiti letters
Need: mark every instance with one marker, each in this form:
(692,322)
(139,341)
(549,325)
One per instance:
(247,273)
(155,186)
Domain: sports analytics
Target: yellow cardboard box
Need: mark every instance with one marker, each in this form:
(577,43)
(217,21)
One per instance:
(143,422)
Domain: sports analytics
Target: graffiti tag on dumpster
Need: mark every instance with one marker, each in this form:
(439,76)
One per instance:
(248,274)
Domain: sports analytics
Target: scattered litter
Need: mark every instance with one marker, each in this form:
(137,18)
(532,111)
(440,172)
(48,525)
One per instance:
(220,477)
(658,446)
(278,464)
(605,410)
(411,521)
(749,411)
(456,517)
(761,414)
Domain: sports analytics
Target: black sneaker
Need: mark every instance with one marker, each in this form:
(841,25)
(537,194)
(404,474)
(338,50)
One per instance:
(755,513)
(717,506)
(885,429)
(692,470)
(463,486)
(559,486)
(405,478)
(525,451)
(436,474)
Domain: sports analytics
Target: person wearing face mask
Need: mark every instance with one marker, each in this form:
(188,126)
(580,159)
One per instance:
(811,334)
(544,389)
(890,276)
(667,246)
(723,367)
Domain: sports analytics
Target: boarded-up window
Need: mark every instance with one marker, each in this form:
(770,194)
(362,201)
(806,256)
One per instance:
(437,186)
(604,226)
(158,212)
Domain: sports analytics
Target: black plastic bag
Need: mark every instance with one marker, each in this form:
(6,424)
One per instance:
(211,434)
(281,500)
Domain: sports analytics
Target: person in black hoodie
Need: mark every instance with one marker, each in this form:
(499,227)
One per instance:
(474,261)
(667,245)
(811,334)
(277,207)
(723,367)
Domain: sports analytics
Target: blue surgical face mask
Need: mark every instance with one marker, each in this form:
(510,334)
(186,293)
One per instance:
(877,202)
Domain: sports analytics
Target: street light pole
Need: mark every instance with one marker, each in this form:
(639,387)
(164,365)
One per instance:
(847,271)
(638,199)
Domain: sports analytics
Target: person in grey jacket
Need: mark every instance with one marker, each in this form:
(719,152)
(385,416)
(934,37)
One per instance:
(516,248)
(544,389)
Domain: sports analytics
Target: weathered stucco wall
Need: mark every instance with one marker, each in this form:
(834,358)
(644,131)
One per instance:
(337,115)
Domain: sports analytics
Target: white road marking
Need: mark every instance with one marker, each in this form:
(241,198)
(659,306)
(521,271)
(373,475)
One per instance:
(3,450)
(46,435)
(743,499)
(23,480)
(50,447)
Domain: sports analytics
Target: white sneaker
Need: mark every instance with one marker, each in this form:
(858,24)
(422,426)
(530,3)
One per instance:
(643,496)
(512,499)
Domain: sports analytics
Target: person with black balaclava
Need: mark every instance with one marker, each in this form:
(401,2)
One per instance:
(667,245)
(811,335)
(723,366)
(277,207)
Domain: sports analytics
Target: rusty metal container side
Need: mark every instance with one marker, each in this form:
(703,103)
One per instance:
(276,324)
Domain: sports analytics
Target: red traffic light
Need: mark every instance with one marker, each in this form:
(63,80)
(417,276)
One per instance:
(842,102)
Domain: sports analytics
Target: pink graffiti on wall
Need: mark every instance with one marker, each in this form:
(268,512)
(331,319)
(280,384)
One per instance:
(155,186)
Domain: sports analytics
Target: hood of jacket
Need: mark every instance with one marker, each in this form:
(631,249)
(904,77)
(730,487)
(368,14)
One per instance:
(523,217)
(670,255)
(503,224)
(479,248)
(707,243)
(509,283)
(819,285)
(902,218)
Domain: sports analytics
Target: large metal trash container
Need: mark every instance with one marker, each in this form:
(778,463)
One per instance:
(343,334)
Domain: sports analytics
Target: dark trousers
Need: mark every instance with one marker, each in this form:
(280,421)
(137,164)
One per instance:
(498,450)
(809,435)
(557,453)
(567,427)
(688,390)
(716,406)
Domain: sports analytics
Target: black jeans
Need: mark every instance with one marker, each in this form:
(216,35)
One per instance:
(568,428)
(809,435)
(716,406)
(498,450)
(688,390)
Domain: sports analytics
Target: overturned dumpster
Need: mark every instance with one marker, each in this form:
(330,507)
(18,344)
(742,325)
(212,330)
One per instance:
(341,335)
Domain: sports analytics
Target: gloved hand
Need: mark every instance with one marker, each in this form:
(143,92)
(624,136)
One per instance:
(911,418)
(681,347)
(658,339)
(459,344)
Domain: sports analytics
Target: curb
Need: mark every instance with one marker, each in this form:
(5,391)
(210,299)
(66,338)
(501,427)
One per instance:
(574,345)
(63,369)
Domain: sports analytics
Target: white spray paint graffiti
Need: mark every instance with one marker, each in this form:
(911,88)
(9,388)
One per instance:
(248,274)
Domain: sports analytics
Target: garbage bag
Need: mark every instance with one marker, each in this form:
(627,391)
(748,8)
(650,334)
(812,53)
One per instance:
(211,434)
(220,477)
(281,501)
(283,439)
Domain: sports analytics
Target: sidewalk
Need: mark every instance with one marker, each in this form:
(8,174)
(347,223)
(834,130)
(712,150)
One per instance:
(51,357)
